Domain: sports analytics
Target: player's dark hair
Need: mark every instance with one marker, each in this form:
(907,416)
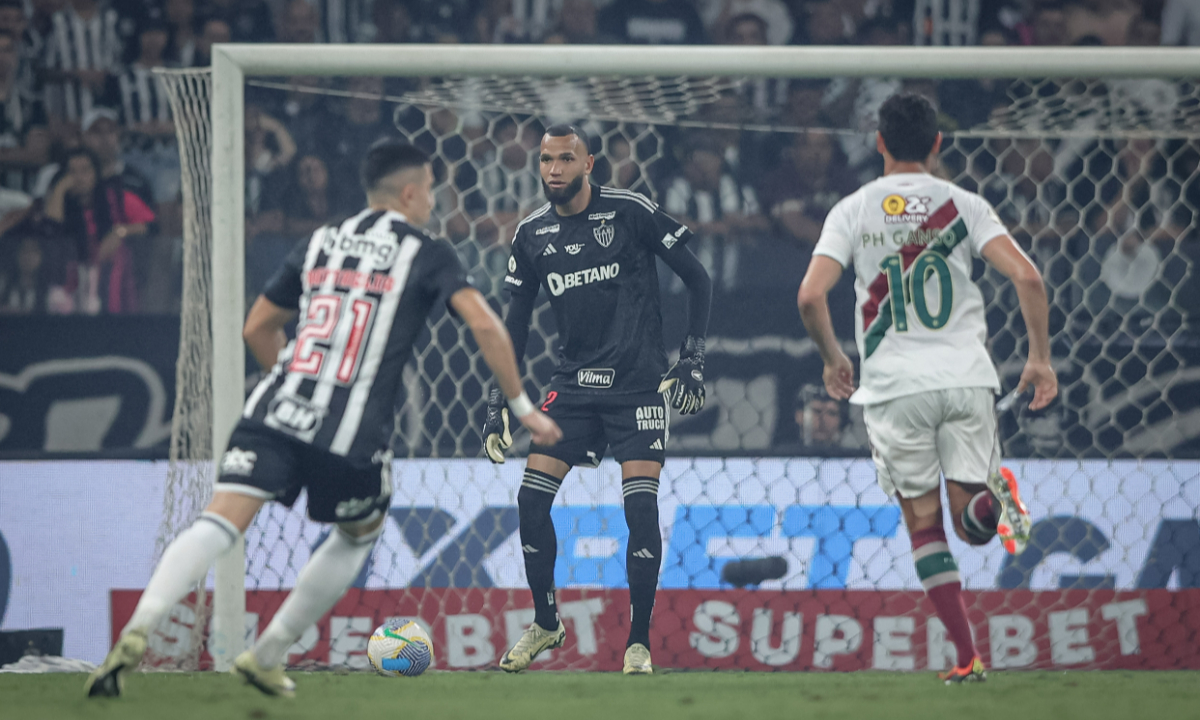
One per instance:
(909,127)
(388,156)
(567,129)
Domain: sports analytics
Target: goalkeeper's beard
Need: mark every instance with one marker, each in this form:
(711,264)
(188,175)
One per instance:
(566,194)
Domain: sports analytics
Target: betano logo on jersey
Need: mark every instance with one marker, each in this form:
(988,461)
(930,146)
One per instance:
(382,245)
(559,284)
(905,209)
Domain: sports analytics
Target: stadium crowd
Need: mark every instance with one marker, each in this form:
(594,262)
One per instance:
(90,206)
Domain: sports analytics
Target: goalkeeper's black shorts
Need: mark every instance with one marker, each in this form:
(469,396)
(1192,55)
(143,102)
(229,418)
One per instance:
(270,465)
(635,426)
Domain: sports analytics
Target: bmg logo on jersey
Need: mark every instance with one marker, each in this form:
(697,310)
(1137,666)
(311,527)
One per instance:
(382,246)
(295,415)
(595,377)
(559,284)
(652,417)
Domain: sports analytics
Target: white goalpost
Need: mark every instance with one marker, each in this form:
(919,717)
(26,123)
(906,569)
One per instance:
(233,65)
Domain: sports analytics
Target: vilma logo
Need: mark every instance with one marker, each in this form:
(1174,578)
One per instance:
(906,209)
(604,234)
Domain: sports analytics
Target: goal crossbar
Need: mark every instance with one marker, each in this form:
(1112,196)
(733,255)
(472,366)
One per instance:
(232,63)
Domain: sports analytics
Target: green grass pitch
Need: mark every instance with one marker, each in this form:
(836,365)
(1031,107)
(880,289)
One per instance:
(610,696)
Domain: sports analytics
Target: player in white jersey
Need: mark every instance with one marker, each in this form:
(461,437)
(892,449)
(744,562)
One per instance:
(321,420)
(927,381)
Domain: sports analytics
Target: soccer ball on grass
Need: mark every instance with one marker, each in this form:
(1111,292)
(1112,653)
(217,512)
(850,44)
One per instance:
(400,647)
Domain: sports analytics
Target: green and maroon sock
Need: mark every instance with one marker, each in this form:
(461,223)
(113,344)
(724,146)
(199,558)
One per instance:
(939,576)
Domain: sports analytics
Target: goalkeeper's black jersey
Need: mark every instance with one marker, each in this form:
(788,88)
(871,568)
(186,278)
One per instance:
(598,267)
(364,288)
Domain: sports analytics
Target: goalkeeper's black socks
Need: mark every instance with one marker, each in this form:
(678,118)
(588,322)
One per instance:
(643,556)
(538,544)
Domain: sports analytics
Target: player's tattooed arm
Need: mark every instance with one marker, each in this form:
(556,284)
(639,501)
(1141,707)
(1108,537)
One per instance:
(823,273)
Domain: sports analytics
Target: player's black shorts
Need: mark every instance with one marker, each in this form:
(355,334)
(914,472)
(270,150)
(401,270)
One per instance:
(635,426)
(267,464)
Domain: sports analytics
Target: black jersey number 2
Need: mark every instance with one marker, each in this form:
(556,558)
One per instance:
(315,338)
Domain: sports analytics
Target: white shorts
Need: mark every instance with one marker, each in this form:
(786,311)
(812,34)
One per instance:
(917,438)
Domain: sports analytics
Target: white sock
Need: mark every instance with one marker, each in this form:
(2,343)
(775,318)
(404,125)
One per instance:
(183,566)
(321,583)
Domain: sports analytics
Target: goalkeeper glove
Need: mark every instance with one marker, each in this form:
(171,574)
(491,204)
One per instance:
(497,436)
(684,382)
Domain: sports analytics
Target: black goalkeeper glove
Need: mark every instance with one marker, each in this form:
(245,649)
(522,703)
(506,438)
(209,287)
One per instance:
(684,382)
(497,437)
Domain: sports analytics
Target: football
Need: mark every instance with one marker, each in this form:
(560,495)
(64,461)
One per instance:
(400,647)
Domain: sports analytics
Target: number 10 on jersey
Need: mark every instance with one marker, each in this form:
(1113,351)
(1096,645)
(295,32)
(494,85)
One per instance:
(902,289)
(315,339)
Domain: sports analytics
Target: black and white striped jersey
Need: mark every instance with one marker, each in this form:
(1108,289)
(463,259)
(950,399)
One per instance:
(598,267)
(364,288)
(143,97)
(79,44)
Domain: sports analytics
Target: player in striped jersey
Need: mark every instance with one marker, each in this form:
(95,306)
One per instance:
(927,380)
(595,250)
(321,420)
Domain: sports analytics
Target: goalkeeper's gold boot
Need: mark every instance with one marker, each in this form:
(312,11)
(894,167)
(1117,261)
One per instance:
(271,681)
(108,680)
(637,660)
(532,643)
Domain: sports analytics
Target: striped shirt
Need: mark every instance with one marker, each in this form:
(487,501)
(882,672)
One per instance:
(346,21)
(364,288)
(78,44)
(142,96)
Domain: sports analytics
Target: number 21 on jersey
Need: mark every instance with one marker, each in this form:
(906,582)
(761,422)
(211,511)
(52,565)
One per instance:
(315,341)
(902,289)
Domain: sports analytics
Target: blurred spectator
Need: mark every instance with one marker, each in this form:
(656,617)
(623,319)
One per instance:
(495,22)
(752,28)
(269,149)
(502,185)
(653,22)
(308,203)
(970,101)
(298,23)
(37,33)
(14,22)
(823,423)
(132,16)
(718,16)
(442,21)
(102,137)
(145,109)
(248,20)
(364,121)
(617,167)
(1181,23)
(956,22)
(577,25)
(346,21)
(24,140)
(307,112)
(393,23)
(213,31)
(180,19)
(804,105)
(98,219)
(1107,20)
(81,55)
(1143,32)
(24,281)
(713,202)
(825,23)
(806,186)
(1048,25)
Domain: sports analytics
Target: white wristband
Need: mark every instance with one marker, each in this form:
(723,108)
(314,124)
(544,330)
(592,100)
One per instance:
(520,405)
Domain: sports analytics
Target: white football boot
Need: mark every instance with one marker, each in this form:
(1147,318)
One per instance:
(108,680)
(270,681)
(532,643)
(637,660)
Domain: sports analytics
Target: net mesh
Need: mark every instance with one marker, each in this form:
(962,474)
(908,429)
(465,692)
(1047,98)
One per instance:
(1097,180)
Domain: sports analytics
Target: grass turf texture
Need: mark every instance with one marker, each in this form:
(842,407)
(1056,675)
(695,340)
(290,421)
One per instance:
(611,696)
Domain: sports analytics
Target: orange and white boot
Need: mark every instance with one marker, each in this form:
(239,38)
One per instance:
(1015,523)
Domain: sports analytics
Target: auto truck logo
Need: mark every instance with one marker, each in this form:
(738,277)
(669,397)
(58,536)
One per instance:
(595,377)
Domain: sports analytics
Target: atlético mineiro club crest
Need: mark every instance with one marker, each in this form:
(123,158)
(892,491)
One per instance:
(604,234)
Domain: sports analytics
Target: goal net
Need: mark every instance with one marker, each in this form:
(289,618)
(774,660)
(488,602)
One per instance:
(780,551)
